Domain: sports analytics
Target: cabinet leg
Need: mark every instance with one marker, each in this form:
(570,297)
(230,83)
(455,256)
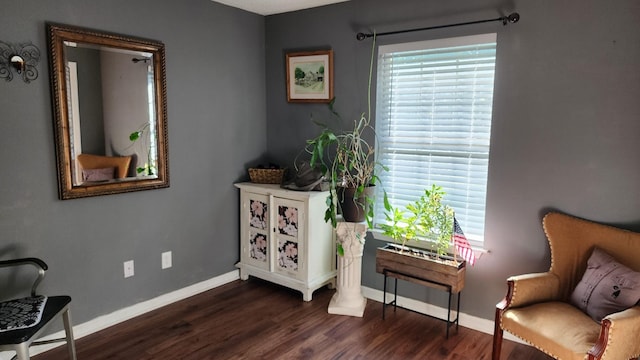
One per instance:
(243,275)
(307,295)
(332,284)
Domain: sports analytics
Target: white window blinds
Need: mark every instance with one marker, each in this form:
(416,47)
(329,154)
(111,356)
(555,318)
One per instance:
(433,122)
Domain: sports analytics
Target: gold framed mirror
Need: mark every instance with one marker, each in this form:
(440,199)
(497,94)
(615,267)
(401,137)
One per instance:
(109,104)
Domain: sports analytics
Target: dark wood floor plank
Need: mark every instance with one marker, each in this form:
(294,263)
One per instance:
(258,320)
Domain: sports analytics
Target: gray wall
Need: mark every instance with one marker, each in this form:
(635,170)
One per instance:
(217,124)
(564,135)
(565,123)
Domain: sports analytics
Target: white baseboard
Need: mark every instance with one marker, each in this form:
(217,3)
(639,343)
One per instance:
(118,316)
(468,321)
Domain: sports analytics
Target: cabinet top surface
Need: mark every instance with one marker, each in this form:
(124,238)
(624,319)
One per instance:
(275,189)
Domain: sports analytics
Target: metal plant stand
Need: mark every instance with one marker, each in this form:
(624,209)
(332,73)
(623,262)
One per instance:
(425,282)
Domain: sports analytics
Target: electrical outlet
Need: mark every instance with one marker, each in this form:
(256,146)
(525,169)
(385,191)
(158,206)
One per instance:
(128,268)
(166,260)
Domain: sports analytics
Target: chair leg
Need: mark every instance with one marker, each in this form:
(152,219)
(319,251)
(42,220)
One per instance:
(22,352)
(497,339)
(68,329)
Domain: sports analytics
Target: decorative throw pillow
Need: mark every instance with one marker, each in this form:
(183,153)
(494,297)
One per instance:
(21,313)
(98,174)
(606,287)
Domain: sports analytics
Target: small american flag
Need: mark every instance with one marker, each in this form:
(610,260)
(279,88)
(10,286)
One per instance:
(462,244)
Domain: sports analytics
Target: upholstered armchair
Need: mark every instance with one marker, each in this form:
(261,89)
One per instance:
(538,308)
(119,165)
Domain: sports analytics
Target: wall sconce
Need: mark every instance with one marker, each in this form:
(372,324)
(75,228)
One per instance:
(21,58)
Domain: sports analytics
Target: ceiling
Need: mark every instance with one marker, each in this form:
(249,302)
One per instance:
(270,7)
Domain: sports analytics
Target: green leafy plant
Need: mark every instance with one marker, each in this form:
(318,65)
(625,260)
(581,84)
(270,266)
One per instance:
(347,158)
(348,161)
(149,167)
(427,218)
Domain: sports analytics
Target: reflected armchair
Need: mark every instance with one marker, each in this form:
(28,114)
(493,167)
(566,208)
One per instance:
(538,307)
(119,164)
(18,333)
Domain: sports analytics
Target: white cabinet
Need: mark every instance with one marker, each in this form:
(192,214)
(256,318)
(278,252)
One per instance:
(284,238)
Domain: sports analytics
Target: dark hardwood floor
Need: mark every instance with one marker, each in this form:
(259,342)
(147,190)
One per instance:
(258,320)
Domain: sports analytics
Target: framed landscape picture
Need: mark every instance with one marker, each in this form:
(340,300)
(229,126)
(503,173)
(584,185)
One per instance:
(310,76)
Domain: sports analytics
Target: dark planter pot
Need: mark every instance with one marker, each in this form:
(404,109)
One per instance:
(353,210)
(418,264)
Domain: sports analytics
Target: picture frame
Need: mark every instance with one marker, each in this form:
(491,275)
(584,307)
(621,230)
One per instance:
(310,76)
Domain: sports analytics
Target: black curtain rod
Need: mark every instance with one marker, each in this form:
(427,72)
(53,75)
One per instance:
(511,18)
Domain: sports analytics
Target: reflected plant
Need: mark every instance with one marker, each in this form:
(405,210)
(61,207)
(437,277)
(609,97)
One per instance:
(149,166)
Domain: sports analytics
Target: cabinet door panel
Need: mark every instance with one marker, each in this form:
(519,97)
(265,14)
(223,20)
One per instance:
(255,235)
(258,212)
(287,255)
(258,246)
(288,232)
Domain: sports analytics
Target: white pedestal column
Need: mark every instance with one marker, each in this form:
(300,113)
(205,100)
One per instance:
(348,299)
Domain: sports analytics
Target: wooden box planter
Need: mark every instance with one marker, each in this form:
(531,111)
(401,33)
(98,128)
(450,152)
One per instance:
(420,266)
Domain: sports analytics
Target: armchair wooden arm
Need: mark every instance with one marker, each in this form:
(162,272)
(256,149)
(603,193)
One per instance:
(523,290)
(40,265)
(623,329)
(532,288)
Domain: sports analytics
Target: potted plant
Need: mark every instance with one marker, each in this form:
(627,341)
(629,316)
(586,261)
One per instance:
(348,159)
(426,219)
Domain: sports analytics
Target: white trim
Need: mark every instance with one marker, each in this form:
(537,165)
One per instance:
(128,313)
(438,43)
(118,316)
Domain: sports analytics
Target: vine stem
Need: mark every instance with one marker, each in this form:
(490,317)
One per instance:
(373,48)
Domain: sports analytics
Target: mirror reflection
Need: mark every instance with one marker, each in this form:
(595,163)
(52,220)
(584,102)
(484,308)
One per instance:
(112,110)
(109,93)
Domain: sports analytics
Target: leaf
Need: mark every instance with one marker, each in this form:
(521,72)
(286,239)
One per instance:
(330,213)
(135,135)
(340,249)
(369,216)
(330,105)
(332,137)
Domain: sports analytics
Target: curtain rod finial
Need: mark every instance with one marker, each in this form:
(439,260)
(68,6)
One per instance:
(512,18)
(361,36)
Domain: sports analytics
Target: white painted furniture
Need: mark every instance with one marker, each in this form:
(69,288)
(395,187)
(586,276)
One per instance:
(284,238)
(348,299)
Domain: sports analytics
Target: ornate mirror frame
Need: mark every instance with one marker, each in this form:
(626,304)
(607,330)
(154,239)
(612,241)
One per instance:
(58,36)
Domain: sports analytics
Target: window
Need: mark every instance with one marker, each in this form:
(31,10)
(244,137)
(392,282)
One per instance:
(433,122)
